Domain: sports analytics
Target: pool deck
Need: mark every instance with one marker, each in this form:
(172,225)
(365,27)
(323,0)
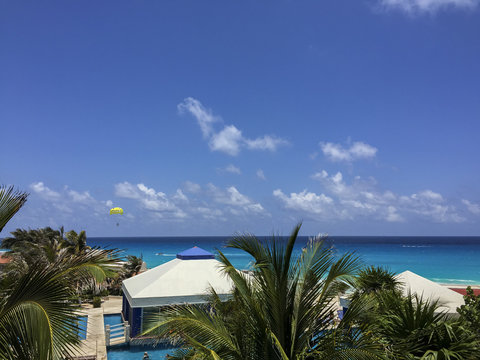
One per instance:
(94,345)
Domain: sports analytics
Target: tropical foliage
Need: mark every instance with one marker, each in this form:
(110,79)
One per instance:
(415,328)
(47,246)
(283,309)
(374,280)
(470,312)
(370,283)
(11,201)
(37,320)
(131,267)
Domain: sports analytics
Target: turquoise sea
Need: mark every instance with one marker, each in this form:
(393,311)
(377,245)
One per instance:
(448,260)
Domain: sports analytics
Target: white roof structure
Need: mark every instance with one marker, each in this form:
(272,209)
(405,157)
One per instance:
(185,279)
(448,299)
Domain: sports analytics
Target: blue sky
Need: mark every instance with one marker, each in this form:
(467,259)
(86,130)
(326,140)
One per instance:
(211,117)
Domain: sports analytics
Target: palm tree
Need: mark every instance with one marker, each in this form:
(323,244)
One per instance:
(50,246)
(284,309)
(413,328)
(37,320)
(76,243)
(372,280)
(11,201)
(35,244)
(132,266)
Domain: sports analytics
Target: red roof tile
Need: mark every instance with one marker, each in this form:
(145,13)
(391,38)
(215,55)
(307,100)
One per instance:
(4,259)
(476,292)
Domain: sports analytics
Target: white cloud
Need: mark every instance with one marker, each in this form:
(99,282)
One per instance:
(358,150)
(236,198)
(46,193)
(180,196)
(191,187)
(306,201)
(68,200)
(148,198)
(204,116)
(362,198)
(126,190)
(230,139)
(261,174)
(206,202)
(392,215)
(427,6)
(233,198)
(213,202)
(233,169)
(335,152)
(428,195)
(143,204)
(431,205)
(266,142)
(210,214)
(473,208)
(83,198)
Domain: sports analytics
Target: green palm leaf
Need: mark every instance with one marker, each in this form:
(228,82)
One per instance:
(36,319)
(281,310)
(11,201)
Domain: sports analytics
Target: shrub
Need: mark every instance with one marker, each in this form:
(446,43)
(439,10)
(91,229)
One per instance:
(97,302)
(470,312)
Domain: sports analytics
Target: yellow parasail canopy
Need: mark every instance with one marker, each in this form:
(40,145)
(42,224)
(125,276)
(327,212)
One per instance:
(116,210)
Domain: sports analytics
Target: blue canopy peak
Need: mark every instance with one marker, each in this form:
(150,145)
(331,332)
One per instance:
(195,253)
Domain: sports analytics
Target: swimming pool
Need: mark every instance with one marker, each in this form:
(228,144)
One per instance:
(82,325)
(112,319)
(126,352)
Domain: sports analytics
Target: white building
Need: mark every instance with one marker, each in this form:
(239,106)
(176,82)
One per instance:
(184,280)
(448,299)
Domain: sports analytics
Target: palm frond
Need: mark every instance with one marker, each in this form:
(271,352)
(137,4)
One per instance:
(283,309)
(196,327)
(11,201)
(36,319)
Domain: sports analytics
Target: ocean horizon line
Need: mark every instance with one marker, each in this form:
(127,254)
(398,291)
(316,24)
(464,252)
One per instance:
(328,236)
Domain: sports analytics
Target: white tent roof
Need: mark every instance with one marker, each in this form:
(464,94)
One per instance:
(182,280)
(449,299)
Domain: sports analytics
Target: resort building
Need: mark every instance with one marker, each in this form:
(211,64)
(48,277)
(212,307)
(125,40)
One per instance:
(183,280)
(416,284)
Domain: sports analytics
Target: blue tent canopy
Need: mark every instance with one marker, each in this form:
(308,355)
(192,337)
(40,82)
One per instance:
(195,253)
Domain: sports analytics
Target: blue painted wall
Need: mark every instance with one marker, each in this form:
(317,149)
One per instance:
(125,308)
(136,322)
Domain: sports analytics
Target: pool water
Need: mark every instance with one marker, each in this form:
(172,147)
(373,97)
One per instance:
(82,324)
(112,319)
(136,353)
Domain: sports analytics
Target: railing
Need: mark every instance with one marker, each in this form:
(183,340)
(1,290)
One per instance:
(118,333)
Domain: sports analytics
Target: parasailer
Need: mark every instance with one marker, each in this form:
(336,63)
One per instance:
(116,210)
